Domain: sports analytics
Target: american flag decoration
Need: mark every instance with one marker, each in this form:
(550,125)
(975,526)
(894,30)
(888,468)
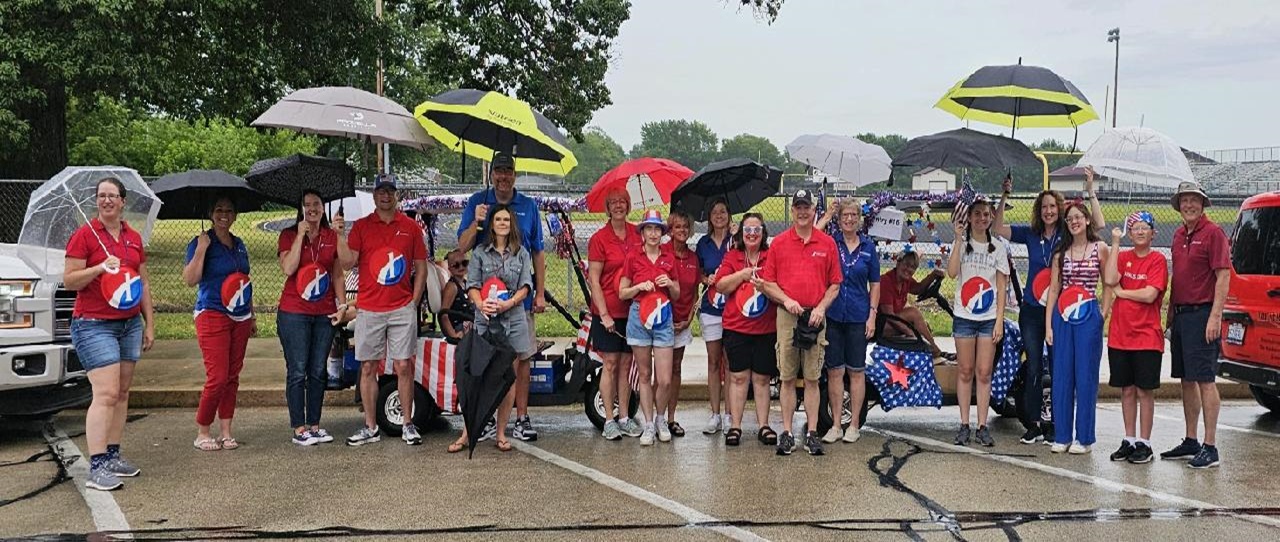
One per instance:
(1008,362)
(433,369)
(964,199)
(922,385)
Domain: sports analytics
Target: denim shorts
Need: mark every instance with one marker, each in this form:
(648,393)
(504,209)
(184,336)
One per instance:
(102,343)
(846,345)
(660,337)
(963,328)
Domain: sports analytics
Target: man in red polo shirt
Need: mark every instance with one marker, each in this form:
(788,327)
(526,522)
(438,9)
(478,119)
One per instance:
(382,245)
(802,275)
(1201,273)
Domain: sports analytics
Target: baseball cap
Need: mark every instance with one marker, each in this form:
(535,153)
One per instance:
(385,180)
(802,197)
(502,160)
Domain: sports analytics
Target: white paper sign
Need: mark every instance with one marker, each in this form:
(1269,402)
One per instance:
(888,224)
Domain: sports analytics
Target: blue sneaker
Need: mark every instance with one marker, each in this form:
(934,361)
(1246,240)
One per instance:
(103,480)
(1207,458)
(321,435)
(305,438)
(120,466)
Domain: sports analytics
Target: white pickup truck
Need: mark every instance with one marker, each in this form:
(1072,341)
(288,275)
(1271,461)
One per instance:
(39,371)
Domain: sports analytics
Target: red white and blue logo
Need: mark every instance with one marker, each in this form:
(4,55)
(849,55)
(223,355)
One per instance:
(1040,286)
(390,266)
(237,293)
(655,310)
(977,296)
(494,288)
(1076,304)
(312,282)
(122,289)
(715,299)
(754,302)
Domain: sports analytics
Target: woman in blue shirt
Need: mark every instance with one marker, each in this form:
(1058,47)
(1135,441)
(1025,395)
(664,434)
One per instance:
(710,249)
(217,264)
(851,318)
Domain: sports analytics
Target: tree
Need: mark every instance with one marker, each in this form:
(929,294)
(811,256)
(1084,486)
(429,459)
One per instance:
(596,154)
(691,143)
(204,59)
(752,147)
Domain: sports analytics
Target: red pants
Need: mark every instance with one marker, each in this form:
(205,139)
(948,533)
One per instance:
(222,343)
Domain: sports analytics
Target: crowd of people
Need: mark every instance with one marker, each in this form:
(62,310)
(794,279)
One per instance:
(799,305)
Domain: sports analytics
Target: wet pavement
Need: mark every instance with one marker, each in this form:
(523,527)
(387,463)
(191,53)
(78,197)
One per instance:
(902,480)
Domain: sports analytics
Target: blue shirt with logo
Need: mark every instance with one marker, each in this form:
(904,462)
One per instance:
(860,268)
(224,285)
(528,219)
(1039,257)
(709,257)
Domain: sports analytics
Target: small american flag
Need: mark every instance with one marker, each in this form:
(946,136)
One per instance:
(964,200)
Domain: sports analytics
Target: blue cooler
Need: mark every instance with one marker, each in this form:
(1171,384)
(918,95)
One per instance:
(542,377)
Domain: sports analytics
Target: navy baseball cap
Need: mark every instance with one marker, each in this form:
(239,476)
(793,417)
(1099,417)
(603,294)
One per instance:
(385,180)
(502,160)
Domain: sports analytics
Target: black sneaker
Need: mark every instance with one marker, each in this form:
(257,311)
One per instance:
(1207,458)
(786,443)
(983,436)
(1123,452)
(962,436)
(1141,454)
(1032,436)
(812,443)
(1187,450)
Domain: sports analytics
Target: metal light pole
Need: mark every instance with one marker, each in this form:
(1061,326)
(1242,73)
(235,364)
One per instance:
(1114,35)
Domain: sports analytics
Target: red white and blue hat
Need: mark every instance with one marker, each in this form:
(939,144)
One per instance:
(1139,216)
(652,217)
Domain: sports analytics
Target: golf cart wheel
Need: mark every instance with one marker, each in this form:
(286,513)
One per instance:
(1269,399)
(593,403)
(389,414)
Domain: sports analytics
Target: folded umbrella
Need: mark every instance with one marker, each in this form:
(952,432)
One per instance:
(283,180)
(742,183)
(191,194)
(483,374)
(649,182)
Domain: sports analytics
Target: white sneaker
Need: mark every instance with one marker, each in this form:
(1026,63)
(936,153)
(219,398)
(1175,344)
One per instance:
(664,432)
(833,435)
(713,425)
(1057,447)
(1078,449)
(852,435)
(646,436)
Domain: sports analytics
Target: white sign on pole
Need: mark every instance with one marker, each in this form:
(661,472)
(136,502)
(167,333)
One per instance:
(888,224)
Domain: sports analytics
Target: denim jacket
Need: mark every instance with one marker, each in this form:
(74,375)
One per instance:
(515,269)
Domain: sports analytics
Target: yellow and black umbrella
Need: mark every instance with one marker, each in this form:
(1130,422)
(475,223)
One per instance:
(1018,96)
(478,123)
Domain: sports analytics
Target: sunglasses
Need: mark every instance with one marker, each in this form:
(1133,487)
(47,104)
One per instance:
(460,263)
(753,230)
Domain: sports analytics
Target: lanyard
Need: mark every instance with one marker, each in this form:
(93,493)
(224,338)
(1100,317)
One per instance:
(1047,255)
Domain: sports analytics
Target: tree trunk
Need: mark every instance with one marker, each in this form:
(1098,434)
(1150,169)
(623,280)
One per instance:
(46,151)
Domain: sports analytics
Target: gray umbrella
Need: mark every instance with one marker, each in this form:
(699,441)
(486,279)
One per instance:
(849,159)
(346,112)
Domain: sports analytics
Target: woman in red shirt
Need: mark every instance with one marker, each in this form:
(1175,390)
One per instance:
(688,271)
(111,325)
(313,293)
(606,257)
(649,282)
(750,327)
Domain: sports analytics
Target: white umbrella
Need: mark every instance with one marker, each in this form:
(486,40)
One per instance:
(346,112)
(1138,155)
(846,158)
(355,208)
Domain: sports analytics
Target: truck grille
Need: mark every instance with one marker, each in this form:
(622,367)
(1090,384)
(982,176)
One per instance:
(64,303)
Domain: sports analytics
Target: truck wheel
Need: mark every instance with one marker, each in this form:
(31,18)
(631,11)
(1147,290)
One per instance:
(390,417)
(1269,399)
(593,404)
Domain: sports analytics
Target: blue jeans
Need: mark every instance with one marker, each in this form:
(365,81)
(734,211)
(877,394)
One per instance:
(1031,322)
(306,340)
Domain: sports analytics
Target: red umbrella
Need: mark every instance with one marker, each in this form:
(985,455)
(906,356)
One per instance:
(649,181)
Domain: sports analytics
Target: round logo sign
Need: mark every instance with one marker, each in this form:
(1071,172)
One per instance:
(390,266)
(655,310)
(754,302)
(715,299)
(1076,304)
(494,288)
(237,293)
(122,289)
(977,296)
(312,282)
(1040,286)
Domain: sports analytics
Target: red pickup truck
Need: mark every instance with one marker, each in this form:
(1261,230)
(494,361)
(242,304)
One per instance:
(1251,314)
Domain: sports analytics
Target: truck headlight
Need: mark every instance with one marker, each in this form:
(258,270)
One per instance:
(10,291)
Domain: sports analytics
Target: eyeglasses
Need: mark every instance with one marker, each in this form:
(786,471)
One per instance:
(110,196)
(1076,219)
(459,263)
(752,230)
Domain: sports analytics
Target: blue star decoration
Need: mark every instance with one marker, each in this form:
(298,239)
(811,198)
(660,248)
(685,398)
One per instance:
(1010,358)
(916,368)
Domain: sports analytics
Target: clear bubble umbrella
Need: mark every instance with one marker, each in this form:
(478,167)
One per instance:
(69,200)
(1138,155)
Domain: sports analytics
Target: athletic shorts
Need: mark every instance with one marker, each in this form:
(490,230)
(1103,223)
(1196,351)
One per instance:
(1139,368)
(606,342)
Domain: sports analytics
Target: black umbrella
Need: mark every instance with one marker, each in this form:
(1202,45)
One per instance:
(965,148)
(190,194)
(483,375)
(1018,96)
(282,180)
(741,182)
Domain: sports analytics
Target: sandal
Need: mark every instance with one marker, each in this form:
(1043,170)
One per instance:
(733,437)
(675,429)
(457,446)
(207,444)
(228,443)
(767,436)
(503,445)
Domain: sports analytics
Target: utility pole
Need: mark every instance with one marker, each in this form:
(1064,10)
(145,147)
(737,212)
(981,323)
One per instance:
(384,161)
(1113,35)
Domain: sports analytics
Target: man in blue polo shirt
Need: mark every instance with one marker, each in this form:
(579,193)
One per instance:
(471,232)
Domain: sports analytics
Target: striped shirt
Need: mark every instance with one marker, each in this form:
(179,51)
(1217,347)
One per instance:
(1085,272)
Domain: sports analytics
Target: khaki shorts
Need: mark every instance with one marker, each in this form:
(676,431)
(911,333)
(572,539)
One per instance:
(792,360)
(381,333)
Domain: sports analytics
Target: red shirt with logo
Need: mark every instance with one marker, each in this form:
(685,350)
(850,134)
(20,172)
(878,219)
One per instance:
(387,252)
(687,272)
(893,292)
(310,289)
(640,268)
(747,310)
(1197,254)
(1135,325)
(804,270)
(107,296)
(607,248)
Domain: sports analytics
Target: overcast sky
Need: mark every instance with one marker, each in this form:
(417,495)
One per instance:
(1206,73)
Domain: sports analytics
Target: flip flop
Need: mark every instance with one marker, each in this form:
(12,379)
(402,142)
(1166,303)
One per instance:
(228,443)
(457,446)
(207,445)
(503,445)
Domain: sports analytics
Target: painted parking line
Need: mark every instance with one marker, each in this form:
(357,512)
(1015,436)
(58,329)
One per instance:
(1221,426)
(1101,483)
(106,513)
(694,517)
